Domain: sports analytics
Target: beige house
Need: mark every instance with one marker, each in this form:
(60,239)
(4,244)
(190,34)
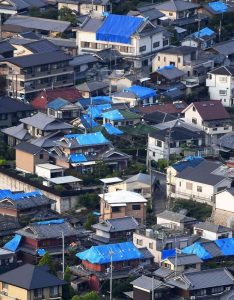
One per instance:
(30,282)
(122,204)
(224,208)
(27,156)
(182,263)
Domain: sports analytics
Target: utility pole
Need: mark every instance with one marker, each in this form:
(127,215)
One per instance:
(169,152)
(152,294)
(111,274)
(63,253)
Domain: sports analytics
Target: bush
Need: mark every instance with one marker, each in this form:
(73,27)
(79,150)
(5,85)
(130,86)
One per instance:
(90,201)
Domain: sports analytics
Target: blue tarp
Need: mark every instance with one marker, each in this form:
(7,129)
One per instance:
(218,6)
(96,138)
(57,221)
(5,194)
(77,158)
(87,122)
(112,129)
(113,115)
(101,254)
(97,110)
(141,92)
(94,101)
(18,196)
(118,28)
(13,244)
(41,252)
(197,249)
(189,161)
(226,246)
(169,67)
(57,103)
(95,213)
(168,253)
(204,32)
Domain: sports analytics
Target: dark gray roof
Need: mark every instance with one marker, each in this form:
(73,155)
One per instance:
(208,279)
(141,177)
(181,50)
(202,173)
(42,46)
(11,105)
(84,59)
(174,216)
(225,48)
(37,231)
(225,70)
(212,227)
(227,141)
(38,23)
(28,148)
(125,95)
(5,46)
(45,122)
(119,224)
(185,259)
(92,86)
(19,132)
(67,43)
(171,73)
(26,203)
(212,249)
(91,24)
(145,282)
(163,272)
(31,277)
(38,59)
(150,11)
(176,5)
(146,253)
(30,35)
(20,41)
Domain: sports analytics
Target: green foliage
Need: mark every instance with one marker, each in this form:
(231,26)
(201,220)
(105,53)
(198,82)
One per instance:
(119,287)
(68,292)
(227,25)
(200,211)
(50,13)
(162,164)
(46,260)
(67,274)
(66,14)
(88,296)
(90,201)
(89,222)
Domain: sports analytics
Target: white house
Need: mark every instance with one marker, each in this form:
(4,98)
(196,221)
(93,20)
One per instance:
(49,170)
(220,82)
(201,183)
(135,38)
(209,116)
(174,220)
(212,231)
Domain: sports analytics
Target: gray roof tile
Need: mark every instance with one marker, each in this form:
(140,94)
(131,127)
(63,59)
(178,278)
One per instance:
(119,224)
(212,227)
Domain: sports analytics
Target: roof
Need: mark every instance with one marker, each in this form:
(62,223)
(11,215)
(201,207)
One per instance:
(118,28)
(203,279)
(41,46)
(141,92)
(91,25)
(176,123)
(102,254)
(226,48)
(202,173)
(140,177)
(210,110)
(204,32)
(181,50)
(11,105)
(84,59)
(57,103)
(18,132)
(163,272)
(146,283)
(175,217)
(45,122)
(159,118)
(169,108)
(31,277)
(28,148)
(118,224)
(170,72)
(92,86)
(176,5)
(49,166)
(184,259)
(37,59)
(38,23)
(87,139)
(47,230)
(227,141)
(212,227)
(123,197)
(5,46)
(65,180)
(218,6)
(189,161)
(224,70)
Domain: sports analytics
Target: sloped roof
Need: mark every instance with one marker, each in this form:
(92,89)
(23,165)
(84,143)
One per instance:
(174,216)
(223,70)
(41,46)
(118,224)
(176,5)
(5,46)
(185,259)
(31,277)
(225,48)
(212,227)
(11,105)
(169,108)
(28,148)
(146,283)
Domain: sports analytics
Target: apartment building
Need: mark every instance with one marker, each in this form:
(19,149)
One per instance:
(29,74)
(135,38)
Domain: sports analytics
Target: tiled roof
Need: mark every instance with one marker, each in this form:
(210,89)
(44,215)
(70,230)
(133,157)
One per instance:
(212,227)
(185,259)
(145,283)
(176,5)
(28,148)
(11,105)
(170,108)
(224,70)
(119,224)
(174,216)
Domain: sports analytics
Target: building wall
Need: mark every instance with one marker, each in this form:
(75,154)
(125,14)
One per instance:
(14,292)
(27,162)
(47,173)
(8,212)
(225,201)
(139,294)
(21,50)
(164,221)
(211,235)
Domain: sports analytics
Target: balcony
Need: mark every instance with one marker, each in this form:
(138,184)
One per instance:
(191,82)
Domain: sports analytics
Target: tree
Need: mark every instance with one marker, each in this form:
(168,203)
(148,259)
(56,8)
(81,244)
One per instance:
(67,274)
(46,260)
(90,201)
(66,14)
(90,221)
(88,296)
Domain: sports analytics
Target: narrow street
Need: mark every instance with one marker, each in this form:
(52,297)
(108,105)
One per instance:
(159,195)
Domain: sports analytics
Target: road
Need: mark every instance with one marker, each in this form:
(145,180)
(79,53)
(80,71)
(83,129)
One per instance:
(159,196)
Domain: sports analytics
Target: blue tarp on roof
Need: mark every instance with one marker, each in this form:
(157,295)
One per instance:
(87,122)
(112,129)
(226,246)
(5,194)
(189,161)
(141,92)
(197,249)
(58,221)
(94,101)
(41,252)
(168,253)
(97,110)
(218,6)
(13,244)
(77,158)
(118,28)
(57,103)
(204,32)
(113,115)
(101,254)
(18,196)
(169,67)
(96,138)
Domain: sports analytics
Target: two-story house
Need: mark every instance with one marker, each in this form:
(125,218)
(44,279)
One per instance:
(210,117)
(84,7)
(136,38)
(210,231)
(203,39)
(32,73)
(188,59)
(220,82)
(121,204)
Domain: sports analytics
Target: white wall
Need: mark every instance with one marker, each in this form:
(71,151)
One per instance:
(225,201)
(209,235)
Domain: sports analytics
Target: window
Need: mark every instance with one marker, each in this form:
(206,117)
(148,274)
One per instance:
(223,92)
(115,209)
(142,48)
(201,292)
(139,242)
(194,120)
(215,129)
(85,44)
(183,244)
(5,286)
(194,109)
(156,44)
(226,128)
(222,78)
(38,293)
(180,183)
(179,60)
(189,186)
(217,289)
(54,291)
(158,58)
(168,246)
(159,143)
(41,156)
(136,207)
(165,42)
(151,245)
(199,189)
(172,63)
(164,59)
(170,14)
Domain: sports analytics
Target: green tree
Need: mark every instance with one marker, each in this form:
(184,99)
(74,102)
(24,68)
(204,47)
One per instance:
(50,13)
(88,296)
(66,14)
(90,201)
(90,221)
(34,12)
(46,260)
(67,274)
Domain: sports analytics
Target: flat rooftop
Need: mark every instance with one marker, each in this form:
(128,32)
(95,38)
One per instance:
(49,167)
(64,180)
